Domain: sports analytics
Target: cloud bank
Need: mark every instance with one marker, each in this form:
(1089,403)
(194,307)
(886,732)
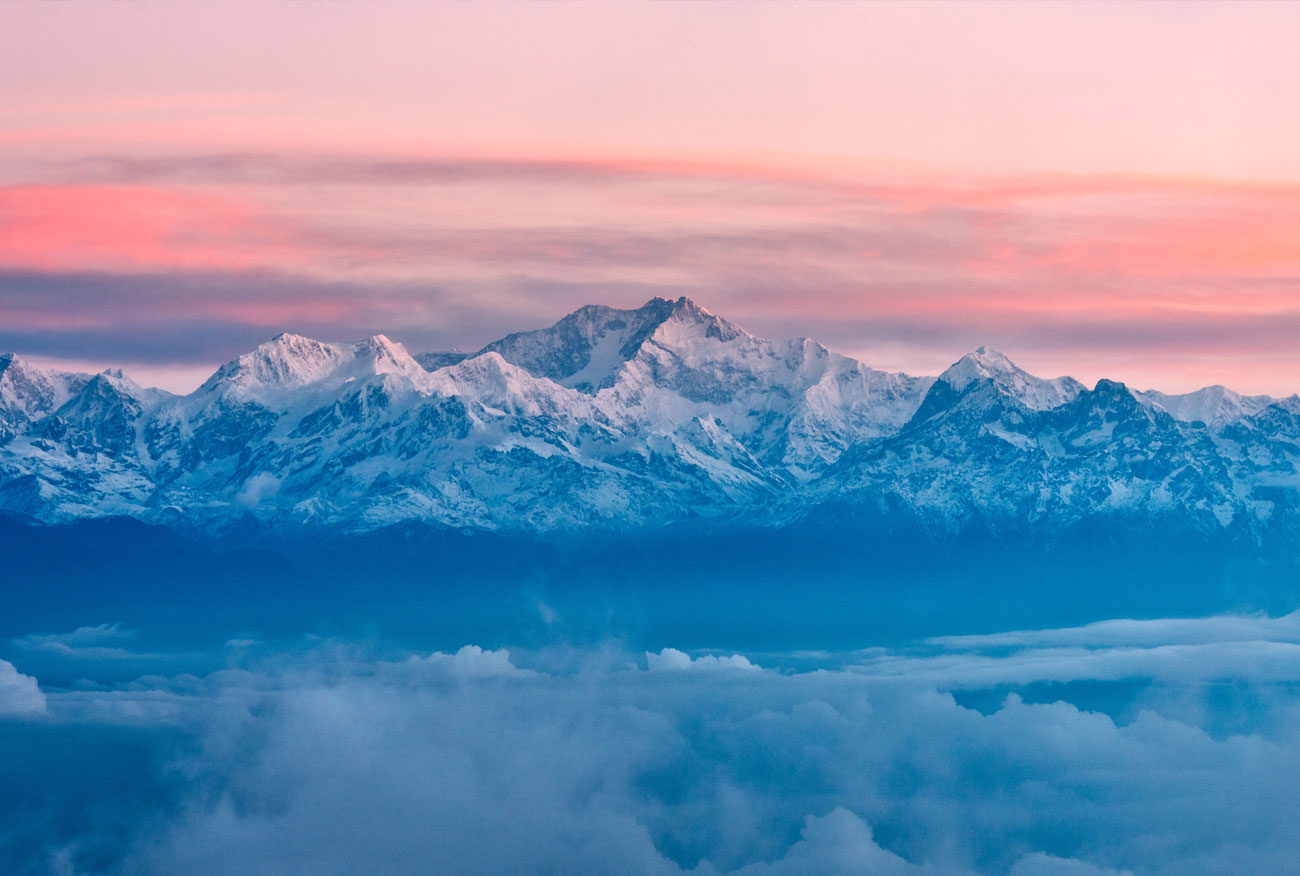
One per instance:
(332,761)
(186,261)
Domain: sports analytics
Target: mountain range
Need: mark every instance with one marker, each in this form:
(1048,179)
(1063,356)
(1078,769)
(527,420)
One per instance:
(662,416)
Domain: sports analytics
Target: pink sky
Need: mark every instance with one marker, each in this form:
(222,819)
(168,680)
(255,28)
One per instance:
(1097,189)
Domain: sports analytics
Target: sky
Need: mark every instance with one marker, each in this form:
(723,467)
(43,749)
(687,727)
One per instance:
(1094,189)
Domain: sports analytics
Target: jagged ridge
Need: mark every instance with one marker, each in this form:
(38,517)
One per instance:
(657,415)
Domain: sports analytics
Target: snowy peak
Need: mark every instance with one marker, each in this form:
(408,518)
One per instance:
(285,361)
(104,396)
(656,415)
(586,349)
(103,416)
(27,391)
(1112,402)
(489,369)
(983,364)
(23,389)
(490,380)
(381,350)
(685,316)
(1215,406)
(378,355)
(119,381)
(988,366)
(290,362)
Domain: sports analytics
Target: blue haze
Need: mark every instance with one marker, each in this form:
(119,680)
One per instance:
(979,624)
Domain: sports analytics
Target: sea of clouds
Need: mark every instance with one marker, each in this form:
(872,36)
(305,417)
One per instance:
(1144,747)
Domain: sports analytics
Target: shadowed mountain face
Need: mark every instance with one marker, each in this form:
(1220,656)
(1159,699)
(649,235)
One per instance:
(637,420)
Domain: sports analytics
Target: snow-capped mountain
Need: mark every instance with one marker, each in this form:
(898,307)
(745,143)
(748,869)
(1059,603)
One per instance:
(1216,406)
(28,393)
(630,418)
(990,366)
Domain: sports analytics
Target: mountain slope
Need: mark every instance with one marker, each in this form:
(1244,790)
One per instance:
(1216,406)
(28,393)
(663,415)
(984,459)
(673,366)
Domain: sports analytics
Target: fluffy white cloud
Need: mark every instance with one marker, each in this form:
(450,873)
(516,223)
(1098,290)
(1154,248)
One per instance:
(632,771)
(1039,864)
(19,694)
(472,661)
(257,489)
(671,659)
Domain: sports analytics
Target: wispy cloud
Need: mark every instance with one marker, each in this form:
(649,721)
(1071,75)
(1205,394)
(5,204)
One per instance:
(100,641)
(1154,281)
(1141,633)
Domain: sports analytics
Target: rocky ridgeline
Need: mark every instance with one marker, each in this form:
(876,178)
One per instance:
(662,415)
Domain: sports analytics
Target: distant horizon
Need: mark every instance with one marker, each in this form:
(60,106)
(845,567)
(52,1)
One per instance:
(183,382)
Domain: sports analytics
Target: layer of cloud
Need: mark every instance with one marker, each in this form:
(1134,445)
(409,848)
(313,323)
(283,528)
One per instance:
(192,259)
(483,761)
(1200,91)
(1164,631)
